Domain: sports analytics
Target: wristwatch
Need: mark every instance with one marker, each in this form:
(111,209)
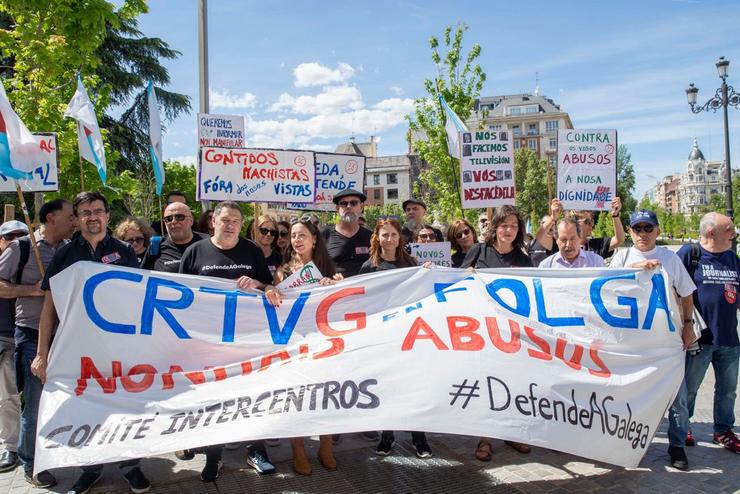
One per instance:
(615,215)
(688,320)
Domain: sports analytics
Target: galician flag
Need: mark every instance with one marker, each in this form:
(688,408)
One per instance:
(155,135)
(19,151)
(89,139)
(453,126)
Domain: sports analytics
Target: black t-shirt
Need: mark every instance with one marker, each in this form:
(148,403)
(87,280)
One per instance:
(538,253)
(109,251)
(369,267)
(7,315)
(245,259)
(600,246)
(171,253)
(274,260)
(484,256)
(457,258)
(348,253)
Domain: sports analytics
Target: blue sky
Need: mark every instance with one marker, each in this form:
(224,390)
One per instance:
(309,74)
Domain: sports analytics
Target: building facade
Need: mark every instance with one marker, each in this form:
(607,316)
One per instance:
(532,121)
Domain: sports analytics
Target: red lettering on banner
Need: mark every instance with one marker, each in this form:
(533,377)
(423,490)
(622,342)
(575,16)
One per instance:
(88,370)
(604,370)
(420,330)
(322,312)
(575,360)
(196,377)
(146,371)
(266,361)
(337,347)
(463,334)
(542,344)
(246,368)
(494,333)
(218,372)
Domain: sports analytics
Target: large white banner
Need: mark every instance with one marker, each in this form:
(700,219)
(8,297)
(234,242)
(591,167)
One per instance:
(256,175)
(44,177)
(587,168)
(144,363)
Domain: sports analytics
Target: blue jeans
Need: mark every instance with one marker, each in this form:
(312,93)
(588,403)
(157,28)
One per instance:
(26,341)
(724,360)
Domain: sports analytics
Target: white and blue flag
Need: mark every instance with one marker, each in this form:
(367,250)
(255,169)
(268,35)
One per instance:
(155,135)
(453,125)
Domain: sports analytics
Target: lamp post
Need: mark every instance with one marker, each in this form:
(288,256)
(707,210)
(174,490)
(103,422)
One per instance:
(724,96)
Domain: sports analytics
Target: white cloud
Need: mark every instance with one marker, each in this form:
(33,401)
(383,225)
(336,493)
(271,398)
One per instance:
(397,91)
(186,159)
(315,74)
(331,100)
(219,99)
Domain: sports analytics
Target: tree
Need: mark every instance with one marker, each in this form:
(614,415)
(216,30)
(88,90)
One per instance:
(460,83)
(530,173)
(372,213)
(625,188)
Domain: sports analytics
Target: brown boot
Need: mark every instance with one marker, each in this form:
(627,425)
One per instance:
(301,466)
(326,456)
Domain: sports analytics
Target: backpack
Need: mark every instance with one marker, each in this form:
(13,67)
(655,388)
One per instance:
(25,245)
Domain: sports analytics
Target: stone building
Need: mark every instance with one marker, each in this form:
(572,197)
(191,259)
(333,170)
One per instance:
(700,182)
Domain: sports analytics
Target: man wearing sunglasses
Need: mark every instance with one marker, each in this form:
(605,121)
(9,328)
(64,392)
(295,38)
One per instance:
(646,254)
(178,221)
(347,242)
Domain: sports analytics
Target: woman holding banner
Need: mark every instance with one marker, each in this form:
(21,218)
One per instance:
(266,238)
(462,237)
(387,251)
(503,247)
(306,246)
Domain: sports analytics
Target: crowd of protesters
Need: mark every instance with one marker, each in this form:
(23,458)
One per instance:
(269,251)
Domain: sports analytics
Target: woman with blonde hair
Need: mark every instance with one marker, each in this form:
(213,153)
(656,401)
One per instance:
(462,238)
(266,238)
(138,234)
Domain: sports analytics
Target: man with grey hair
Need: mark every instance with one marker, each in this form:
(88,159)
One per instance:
(715,269)
(570,254)
(347,242)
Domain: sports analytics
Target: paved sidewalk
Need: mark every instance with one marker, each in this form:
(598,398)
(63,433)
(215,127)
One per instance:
(451,470)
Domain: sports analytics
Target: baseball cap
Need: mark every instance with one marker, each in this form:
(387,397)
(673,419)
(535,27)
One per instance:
(13,226)
(643,216)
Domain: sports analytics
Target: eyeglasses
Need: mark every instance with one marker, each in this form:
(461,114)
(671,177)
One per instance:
(353,203)
(88,213)
(426,236)
(268,231)
(306,218)
(462,234)
(284,233)
(174,217)
(13,235)
(643,228)
(134,240)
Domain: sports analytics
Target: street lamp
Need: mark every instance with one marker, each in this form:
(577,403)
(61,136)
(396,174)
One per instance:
(724,96)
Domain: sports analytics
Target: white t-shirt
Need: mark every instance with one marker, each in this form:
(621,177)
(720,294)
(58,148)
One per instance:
(670,262)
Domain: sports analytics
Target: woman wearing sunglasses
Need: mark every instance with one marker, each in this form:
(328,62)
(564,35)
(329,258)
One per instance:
(462,237)
(283,234)
(138,235)
(306,245)
(266,238)
(426,235)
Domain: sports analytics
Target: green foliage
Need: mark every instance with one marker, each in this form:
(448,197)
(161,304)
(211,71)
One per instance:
(625,189)
(530,174)
(372,213)
(460,81)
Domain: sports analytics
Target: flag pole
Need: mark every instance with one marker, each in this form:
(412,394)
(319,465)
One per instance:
(26,216)
(82,173)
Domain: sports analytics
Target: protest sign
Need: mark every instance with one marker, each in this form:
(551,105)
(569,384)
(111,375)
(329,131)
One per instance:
(487,169)
(334,173)
(308,274)
(224,131)
(436,252)
(256,175)
(45,175)
(583,361)
(587,168)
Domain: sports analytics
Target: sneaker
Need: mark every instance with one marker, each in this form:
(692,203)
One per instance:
(729,440)
(137,482)
(211,471)
(690,441)
(233,446)
(43,480)
(86,481)
(385,445)
(422,449)
(185,454)
(370,435)
(260,462)
(679,460)
(8,461)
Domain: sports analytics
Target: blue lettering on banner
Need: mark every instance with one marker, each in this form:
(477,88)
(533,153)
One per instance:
(598,303)
(657,301)
(230,298)
(88,294)
(542,311)
(281,336)
(518,288)
(152,303)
